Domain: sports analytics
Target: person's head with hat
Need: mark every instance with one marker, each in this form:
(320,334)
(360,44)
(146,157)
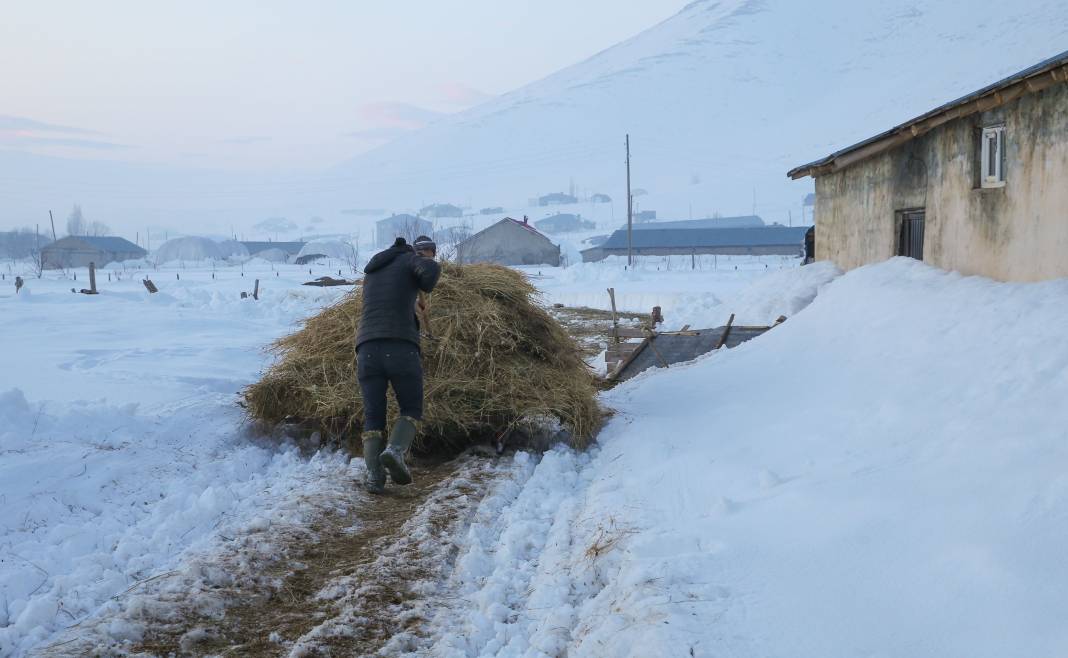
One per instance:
(425,247)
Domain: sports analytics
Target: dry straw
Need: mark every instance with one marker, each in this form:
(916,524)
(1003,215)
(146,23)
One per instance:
(497,360)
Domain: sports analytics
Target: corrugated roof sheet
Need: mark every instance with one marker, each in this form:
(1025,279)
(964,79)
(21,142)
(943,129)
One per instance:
(674,238)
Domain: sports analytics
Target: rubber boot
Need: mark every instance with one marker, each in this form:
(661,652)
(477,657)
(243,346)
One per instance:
(399,441)
(374,442)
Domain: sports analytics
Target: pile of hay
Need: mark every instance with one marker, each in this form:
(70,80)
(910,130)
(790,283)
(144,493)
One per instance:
(496,361)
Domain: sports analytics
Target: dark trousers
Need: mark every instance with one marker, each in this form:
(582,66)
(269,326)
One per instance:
(384,362)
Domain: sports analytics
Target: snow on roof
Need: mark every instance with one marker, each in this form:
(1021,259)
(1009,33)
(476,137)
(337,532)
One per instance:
(744,221)
(1033,78)
(188,248)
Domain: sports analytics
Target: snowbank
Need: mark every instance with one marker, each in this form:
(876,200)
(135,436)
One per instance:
(121,447)
(882,475)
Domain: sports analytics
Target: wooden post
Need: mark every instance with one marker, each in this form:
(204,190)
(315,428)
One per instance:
(615,319)
(149,286)
(630,207)
(256,290)
(726,332)
(92,278)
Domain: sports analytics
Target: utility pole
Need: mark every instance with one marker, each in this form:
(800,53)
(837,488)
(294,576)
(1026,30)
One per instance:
(630,209)
(53,225)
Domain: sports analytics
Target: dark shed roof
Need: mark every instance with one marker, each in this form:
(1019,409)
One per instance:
(101,242)
(1029,80)
(673,238)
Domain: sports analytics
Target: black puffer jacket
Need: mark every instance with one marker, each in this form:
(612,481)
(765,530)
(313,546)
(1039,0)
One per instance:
(391,283)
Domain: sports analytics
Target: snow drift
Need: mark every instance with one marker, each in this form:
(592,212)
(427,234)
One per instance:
(883,475)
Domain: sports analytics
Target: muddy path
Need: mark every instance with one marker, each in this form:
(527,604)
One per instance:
(360,580)
(361,586)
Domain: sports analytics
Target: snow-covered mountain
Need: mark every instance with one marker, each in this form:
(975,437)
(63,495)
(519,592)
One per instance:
(720,101)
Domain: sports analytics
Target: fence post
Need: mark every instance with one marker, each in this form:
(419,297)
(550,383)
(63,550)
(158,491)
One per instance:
(92,278)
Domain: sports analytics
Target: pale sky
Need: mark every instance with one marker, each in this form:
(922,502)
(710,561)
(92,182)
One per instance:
(267,84)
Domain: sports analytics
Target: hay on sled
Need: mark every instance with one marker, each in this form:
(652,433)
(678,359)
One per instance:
(497,361)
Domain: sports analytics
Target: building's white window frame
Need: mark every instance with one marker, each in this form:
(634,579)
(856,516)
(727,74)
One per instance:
(992,156)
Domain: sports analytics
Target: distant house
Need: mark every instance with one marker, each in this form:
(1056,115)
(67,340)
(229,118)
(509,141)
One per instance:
(441,210)
(495,210)
(404,226)
(286,251)
(563,223)
(644,216)
(747,221)
(976,185)
(600,198)
(509,242)
(80,250)
(556,199)
(767,240)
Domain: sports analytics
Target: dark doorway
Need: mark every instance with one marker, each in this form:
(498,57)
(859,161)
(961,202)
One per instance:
(910,239)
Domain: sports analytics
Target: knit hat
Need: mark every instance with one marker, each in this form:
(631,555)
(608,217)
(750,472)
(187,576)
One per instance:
(423,243)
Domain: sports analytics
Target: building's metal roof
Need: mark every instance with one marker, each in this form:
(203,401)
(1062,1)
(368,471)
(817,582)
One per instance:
(745,221)
(109,243)
(678,238)
(1022,82)
(291,248)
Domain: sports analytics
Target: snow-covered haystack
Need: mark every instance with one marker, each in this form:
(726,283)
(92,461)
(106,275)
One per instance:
(272,255)
(328,248)
(497,361)
(233,249)
(188,249)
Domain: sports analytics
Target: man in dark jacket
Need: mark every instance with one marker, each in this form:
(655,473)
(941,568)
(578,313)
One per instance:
(387,353)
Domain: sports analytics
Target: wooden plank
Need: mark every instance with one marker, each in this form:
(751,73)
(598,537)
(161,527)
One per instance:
(615,373)
(630,332)
(726,332)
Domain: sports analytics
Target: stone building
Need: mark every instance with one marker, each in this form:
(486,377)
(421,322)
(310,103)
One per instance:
(978,185)
(509,242)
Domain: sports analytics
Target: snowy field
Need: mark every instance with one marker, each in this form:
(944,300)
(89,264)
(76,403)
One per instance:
(882,475)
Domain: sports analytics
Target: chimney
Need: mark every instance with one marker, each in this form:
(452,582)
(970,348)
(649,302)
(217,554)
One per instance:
(524,219)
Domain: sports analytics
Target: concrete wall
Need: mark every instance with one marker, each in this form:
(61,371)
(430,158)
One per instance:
(506,243)
(1018,232)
